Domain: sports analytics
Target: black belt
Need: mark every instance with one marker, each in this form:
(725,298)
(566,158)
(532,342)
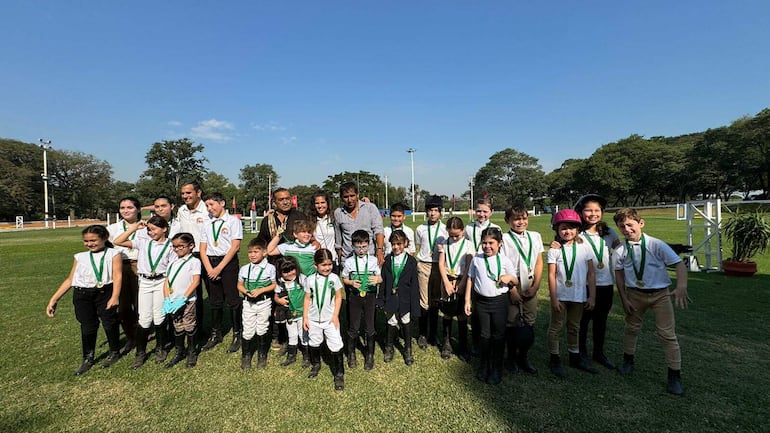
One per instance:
(647,290)
(259,298)
(94,289)
(152,277)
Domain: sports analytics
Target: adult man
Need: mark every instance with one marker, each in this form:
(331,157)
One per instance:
(279,220)
(192,216)
(355,215)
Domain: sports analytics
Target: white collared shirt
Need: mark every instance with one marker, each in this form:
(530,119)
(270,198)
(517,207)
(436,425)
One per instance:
(231,229)
(659,256)
(192,221)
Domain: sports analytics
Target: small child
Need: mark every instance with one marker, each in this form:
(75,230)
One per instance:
(256,282)
(490,277)
(321,317)
(455,255)
(96,277)
(220,241)
(474,229)
(399,295)
(603,240)
(570,271)
(643,283)
(301,248)
(429,235)
(525,249)
(155,255)
(397,215)
(290,293)
(361,275)
(182,279)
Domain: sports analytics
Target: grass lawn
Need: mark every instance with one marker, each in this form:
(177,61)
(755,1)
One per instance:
(724,339)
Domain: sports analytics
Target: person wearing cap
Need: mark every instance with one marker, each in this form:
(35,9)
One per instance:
(429,236)
(570,271)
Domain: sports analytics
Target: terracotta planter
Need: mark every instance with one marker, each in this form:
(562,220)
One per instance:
(739,269)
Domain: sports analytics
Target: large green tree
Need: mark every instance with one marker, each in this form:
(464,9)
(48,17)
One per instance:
(510,177)
(20,182)
(79,184)
(169,163)
(369,185)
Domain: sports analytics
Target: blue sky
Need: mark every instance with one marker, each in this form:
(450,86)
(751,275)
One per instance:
(318,87)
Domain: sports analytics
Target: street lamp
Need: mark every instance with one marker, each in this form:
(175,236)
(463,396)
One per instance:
(45,145)
(411,157)
(470,182)
(386,192)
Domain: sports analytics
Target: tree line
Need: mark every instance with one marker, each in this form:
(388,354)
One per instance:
(633,171)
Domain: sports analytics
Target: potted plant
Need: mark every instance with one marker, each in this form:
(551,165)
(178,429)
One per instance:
(749,234)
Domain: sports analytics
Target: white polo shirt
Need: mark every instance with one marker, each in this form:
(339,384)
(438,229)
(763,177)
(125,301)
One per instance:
(192,221)
(485,272)
(409,235)
(531,245)
(659,255)
(84,271)
(322,304)
(576,291)
(228,229)
(180,274)
(473,233)
(438,235)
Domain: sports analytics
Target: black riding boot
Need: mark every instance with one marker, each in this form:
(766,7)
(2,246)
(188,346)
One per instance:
(192,353)
(291,358)
(484,358)
(315,361)
(446,348)
(89,348)
(305,356)
(352,342)
(247,352)
(433,326)
(180,354)
(389,342)
(338,370)
(216,329)
(113,340)
(406,329)
(462,339)
(496,350)
(422,339)
(237,329)
(369,355)
(263,346)
(141,347)
(675,382)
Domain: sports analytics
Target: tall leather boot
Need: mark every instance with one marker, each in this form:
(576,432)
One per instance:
(389,342)
(192,352)
(113,340)
(576,360)
(433,326)
(247,352)
(422,338)
(237,329)
(263,346)
(556,368)
(510,340)
(369,355)
(291,356)
(305,356)
(141,347)
(88,342)
(352,342)
(216,329)
(462,339)
(315,361)
(628,365)
(406,330)
(496,350)
(339,370)
(483,372)
(446,347)
(180,354)
(160,343)
(522,356)
(675,382)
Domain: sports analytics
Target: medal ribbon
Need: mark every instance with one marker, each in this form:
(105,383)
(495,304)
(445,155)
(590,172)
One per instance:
(431,243)
(600,254)
(125,229)
(364,281)
(528,258)
(319,300)
(453,263)
(171,279)
(98,272)
(215,230)
(475,242)
(255,284)
(154,266)
(639,272)
(568,269)
(396,269)
(489,271)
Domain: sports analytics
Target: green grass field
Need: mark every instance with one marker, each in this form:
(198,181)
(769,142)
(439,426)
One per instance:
(724,339)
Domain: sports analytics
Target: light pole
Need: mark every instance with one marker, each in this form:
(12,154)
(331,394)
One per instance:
(386,192)
(45,145)
(470,205)
(411,157)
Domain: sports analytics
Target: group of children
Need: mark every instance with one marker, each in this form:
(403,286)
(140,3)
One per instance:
(473,273)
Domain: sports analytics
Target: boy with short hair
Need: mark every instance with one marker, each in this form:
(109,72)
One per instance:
(430,235)
(220,240)
(256,281)
(525,249)
(361,275)
(397,216)
(301,248)
(643,283)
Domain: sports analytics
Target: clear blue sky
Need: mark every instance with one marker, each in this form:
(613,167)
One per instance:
(351,85)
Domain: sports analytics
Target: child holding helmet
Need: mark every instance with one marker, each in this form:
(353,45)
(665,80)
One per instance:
(570,270)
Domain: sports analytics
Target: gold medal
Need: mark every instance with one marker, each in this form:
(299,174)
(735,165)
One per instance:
(100,284)
(452,272)
(639,283)
(394,291)
(216,243)
(600,265)
(568,283)
(153,274)
(362,294)
(170,290)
